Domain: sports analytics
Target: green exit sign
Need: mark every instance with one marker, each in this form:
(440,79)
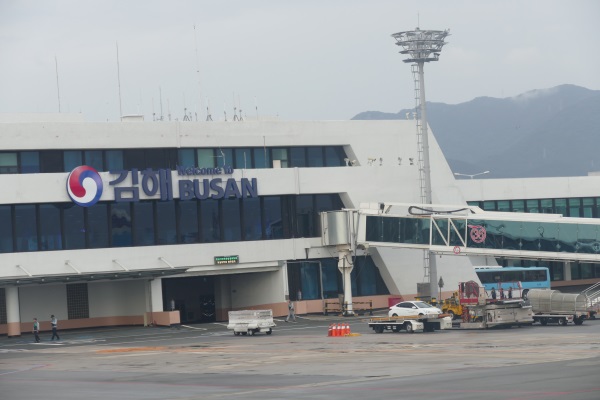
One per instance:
(227,260)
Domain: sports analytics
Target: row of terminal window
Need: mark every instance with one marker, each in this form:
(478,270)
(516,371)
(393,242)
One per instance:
(52,161)
(579,207)
(65,226)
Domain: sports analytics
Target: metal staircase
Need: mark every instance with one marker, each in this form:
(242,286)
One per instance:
(593,296)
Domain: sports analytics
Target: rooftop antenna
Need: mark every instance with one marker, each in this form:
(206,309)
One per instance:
(224,112)
(197,69)
(119,82)
(185,113)
(160,102)
(256,107)
(240,108)
(422,46)
(169,109)
(235,117)
(208,114)
(57,85)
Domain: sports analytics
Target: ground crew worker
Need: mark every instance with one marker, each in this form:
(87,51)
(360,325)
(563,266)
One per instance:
(36,330)
(290,312)
(54,323)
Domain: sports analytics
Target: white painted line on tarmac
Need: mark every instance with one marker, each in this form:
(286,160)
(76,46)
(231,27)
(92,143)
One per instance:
(193,327)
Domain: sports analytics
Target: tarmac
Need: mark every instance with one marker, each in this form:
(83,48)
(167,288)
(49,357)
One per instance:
(299,361)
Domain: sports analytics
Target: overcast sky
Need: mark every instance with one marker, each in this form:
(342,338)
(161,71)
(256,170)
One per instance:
(299,60)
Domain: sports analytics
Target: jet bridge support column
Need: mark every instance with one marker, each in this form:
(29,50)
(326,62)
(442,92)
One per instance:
(345,265)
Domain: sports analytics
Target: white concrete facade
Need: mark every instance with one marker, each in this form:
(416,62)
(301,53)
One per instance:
(260,278)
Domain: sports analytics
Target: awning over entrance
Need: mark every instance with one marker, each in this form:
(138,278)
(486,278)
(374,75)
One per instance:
(91,277)
(242,268)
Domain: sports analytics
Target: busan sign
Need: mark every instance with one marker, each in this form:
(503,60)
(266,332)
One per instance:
(84,185)
(220,260)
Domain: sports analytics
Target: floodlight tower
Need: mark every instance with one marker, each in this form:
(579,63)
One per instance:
(422,46)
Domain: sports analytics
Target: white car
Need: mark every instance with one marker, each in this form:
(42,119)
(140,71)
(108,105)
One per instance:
(413,309)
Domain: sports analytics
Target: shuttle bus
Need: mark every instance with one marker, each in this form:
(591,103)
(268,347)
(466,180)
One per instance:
(529,277)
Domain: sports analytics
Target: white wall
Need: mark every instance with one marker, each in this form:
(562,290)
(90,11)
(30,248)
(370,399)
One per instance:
(256,288)
(117,298)
(41,301)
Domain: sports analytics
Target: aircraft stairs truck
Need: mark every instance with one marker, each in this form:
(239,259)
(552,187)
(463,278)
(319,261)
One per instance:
(552,306)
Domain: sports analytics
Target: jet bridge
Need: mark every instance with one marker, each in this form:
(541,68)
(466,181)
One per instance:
(458,230)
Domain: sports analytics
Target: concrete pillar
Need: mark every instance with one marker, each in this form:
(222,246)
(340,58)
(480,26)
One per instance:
(13,313)
(567,271)
(156,300)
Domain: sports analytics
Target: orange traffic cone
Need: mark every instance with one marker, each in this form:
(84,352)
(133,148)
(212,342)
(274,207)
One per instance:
(338,331)
(348,329)
(330,332)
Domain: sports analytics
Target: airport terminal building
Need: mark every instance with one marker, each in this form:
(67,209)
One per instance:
(116,223)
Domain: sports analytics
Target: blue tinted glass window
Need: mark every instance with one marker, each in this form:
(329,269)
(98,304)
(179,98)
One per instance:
(518,205)
(188,221)
(315,156)
(297,157)
(305,216)
(93,158)
(243,158)
(329,271)
(574,207)
(25,228)
(261,157)
(8,163)
(281,156)
(252,218)
(272,217)
(560,206)
(30,162)
(165,222)
(72,160)
(74,227)
(309,276)
(367,282)
(143,223)
(120,228)
(224,157)
(546,206)
(187,158)
(156,158)
(206,158)
(588,207)
(533,206)
(231,220)
(50,234)
(334,156)
(114,160)
(210,221)
(134,158)
(97,227)
(6,234)
(52,161)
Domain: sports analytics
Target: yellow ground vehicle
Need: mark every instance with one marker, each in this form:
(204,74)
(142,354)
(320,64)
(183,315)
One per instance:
(452,306)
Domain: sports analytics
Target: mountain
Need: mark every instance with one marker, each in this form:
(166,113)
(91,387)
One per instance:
(547,132)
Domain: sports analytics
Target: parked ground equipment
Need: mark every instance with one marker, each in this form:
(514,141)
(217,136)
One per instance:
(245,322)
(482,312)
(452,306)
(411,324)
(552,306)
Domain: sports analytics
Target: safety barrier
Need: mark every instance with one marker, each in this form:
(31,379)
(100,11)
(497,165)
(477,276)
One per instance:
(359,307)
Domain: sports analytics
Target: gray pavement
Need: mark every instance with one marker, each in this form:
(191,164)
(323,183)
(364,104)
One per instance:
(299,361)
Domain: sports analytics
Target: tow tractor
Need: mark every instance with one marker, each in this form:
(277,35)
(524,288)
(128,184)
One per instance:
(411,324)
(481,312)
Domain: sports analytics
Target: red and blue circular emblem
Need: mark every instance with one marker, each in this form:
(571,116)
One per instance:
(84,186)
